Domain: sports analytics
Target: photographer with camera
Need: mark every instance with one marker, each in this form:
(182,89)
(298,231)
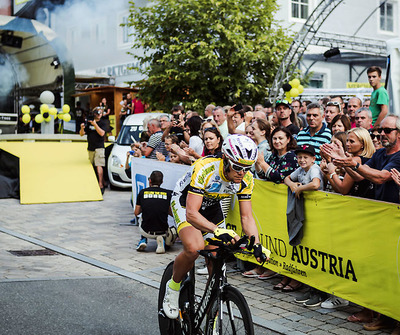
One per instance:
(177,125)
(95,129)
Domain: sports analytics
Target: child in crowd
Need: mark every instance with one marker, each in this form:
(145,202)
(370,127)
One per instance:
(308,177)
(174,158)
(169,140)
(134,152)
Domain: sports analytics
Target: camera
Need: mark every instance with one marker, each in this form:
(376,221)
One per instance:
(90,117)
(176,117)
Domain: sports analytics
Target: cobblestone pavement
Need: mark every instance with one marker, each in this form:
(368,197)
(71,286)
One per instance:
(94,239)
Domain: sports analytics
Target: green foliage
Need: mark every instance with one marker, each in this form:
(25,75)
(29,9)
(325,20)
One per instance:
(198,51)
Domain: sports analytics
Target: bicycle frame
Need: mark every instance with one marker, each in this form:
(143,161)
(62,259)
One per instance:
(214,288)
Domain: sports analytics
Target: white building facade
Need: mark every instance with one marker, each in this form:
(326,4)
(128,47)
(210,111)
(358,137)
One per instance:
(99,44)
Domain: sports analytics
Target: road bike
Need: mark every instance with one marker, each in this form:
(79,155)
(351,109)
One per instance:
(221,310)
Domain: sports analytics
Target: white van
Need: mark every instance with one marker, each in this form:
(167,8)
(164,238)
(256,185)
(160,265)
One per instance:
(130,133)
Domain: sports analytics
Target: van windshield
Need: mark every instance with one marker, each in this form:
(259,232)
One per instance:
(129,134)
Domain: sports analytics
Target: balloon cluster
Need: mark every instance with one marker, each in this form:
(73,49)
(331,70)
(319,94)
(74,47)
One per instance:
(293,89)
(46,97)
(45,114)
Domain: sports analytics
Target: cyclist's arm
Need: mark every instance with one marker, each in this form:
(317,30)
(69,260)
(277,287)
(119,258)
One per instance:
(193,216)
(247,219)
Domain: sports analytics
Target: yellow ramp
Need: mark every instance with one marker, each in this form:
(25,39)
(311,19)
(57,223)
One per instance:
(54,172)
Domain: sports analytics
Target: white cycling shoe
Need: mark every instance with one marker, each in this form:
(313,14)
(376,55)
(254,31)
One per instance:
(171,302)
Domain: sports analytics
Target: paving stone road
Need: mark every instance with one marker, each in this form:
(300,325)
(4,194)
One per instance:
(94,239)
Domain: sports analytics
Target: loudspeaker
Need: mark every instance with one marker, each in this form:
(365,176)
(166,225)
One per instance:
(10,40)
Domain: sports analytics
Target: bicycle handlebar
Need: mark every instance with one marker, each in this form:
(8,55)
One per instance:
(244,243)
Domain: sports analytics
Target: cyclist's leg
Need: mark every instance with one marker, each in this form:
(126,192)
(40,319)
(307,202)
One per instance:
(192,240)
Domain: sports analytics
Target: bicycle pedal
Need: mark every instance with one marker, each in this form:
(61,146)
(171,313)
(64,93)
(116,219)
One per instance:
(161,313)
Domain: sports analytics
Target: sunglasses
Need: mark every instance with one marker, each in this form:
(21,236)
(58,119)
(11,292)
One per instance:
(386,130)
(209,128)
(239,168)
(373,136)
(333,103)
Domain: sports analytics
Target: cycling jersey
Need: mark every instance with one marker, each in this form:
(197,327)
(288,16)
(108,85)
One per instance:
(206,179)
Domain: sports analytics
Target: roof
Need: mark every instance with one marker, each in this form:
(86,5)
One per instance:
(32,58)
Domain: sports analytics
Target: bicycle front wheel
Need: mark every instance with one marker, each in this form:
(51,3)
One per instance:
(229,314)
(166,325)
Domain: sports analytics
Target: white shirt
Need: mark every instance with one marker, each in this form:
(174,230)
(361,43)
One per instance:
(196,143)
(223,129)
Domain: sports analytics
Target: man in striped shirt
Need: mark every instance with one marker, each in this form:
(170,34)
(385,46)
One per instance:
(317,133)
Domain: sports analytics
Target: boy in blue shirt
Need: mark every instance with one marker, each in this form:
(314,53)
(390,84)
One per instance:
(308,177)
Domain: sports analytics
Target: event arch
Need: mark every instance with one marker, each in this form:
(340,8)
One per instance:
(310,35)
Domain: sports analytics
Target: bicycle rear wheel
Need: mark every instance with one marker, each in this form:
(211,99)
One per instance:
(167,326)
(230,315)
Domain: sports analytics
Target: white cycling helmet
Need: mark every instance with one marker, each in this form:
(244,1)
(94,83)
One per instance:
(240,149)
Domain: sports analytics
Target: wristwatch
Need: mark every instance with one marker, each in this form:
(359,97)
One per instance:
(331,175)
(355,168)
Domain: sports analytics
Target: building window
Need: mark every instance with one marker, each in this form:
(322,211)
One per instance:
(300,9)
(386,16)
(317,81)
(126,31)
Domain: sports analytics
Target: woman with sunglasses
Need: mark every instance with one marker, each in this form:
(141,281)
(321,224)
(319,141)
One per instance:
(212,143)
(376,138)
(360,146)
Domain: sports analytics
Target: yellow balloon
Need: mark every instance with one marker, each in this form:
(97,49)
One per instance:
(67,117)
(300,88)
(290,100)
(25,110)
(60,116)
(287,94)
(295,83)
(26,118)
(39,118)
(294,92)
(55,117)
(53,111)
(44,108)
(66,108)
(48,119)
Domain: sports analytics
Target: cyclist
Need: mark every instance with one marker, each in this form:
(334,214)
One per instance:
(196,208)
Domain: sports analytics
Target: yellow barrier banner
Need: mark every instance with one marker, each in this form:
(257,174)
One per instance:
(350,248)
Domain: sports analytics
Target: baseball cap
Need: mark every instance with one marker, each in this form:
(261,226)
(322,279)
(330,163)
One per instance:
(282,102)
(305,148)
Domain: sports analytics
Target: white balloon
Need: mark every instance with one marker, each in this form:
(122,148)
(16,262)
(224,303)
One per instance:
(46,97)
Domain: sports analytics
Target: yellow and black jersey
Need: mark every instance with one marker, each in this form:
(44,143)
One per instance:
(207,179)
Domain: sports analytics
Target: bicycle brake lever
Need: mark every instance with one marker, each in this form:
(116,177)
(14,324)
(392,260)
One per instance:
(251,243)
(211,241)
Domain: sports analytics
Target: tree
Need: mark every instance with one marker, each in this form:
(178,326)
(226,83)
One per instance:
(202,51)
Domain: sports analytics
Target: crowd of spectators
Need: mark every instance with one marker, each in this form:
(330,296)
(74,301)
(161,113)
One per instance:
(349,147)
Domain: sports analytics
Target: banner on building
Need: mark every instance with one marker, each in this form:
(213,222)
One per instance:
(357,85)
